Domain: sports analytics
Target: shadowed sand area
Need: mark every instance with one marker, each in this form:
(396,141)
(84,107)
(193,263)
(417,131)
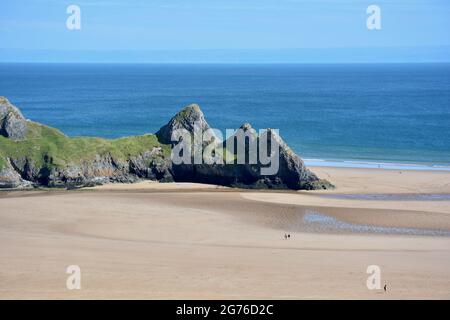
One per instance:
(151,240)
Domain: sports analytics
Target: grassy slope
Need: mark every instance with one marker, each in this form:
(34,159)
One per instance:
(2,161)
(43,141)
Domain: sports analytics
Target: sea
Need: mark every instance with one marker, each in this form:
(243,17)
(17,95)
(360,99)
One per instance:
(394,116)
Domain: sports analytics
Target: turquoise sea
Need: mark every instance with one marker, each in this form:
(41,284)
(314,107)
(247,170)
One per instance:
(388,115)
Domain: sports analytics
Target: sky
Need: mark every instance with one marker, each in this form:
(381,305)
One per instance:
(224,31)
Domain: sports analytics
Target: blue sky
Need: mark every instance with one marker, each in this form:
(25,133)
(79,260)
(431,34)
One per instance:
(36,29)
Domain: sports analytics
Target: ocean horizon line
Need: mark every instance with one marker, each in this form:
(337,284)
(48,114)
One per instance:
(275,63)
(365,54)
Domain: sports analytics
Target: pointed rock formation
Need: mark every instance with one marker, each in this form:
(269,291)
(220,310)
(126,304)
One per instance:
(191,119)
(187,119)
(292,170)
(52,159)
(291,173)
(13,125)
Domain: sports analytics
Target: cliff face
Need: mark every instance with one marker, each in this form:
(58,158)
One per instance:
(291,173)
(12,123)
(10,178)
(32,154)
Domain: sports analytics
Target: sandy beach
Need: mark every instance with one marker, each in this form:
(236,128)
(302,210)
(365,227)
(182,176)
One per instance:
(152,240)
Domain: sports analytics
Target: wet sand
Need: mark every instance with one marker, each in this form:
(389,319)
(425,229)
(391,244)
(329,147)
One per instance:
(191,241)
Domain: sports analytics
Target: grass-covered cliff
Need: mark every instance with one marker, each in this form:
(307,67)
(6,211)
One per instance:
(32,154)
(43,143)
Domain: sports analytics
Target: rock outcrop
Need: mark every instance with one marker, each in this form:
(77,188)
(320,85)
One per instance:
(9,178)
(291,173)
(187,119)
(100,169)
(32,154)
(36,155)
(152,165)
(13,125)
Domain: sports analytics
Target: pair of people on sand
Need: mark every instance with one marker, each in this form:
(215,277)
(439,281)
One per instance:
(287,236)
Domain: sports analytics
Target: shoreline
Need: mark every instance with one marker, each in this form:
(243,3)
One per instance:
(384,181)
(348,180)
(374,164)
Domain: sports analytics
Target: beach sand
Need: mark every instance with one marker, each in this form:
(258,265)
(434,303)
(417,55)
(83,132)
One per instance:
(191,241)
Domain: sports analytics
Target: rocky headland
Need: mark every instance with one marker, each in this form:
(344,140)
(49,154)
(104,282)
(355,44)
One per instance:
(35,155)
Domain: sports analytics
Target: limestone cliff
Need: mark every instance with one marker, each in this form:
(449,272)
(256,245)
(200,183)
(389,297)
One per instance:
(33,155)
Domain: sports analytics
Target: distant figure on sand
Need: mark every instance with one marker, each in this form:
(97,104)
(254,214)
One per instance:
(285,236)
(385,288)
(289,236)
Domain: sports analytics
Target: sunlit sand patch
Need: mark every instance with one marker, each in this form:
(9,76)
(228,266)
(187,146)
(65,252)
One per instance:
(389,196)
(316,221)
